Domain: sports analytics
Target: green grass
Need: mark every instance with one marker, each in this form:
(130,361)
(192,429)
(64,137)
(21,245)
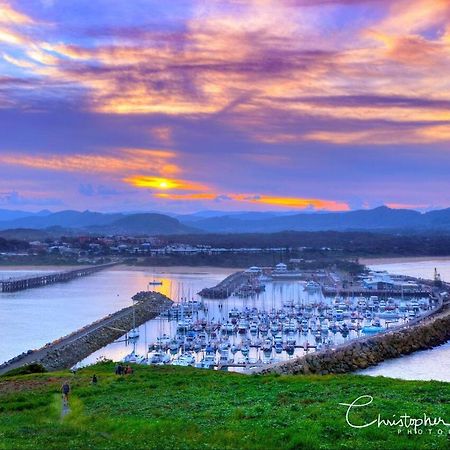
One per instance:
(170,407)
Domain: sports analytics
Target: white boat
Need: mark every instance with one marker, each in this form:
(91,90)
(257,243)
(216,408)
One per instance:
(228,328)
(208,362)
(242,326)
(133,334)
(132,358)
(311,287)
(267,347)
(224,358)
(185,359)
(183,325)
(245,350)
(174,346)
(274,328)
(234,312)
(158,358)
(278,339)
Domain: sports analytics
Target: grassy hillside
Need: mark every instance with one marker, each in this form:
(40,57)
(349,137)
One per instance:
(169,407)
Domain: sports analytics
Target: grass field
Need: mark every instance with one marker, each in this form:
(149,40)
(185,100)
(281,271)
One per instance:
(170,407)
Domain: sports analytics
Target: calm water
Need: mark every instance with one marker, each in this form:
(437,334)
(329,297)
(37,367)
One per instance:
(425,365)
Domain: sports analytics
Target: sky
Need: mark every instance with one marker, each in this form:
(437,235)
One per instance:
(188,105)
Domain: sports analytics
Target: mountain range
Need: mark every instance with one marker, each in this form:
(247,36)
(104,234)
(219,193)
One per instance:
(378,219)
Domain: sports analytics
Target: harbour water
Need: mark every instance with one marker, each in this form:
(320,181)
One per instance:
(29,319)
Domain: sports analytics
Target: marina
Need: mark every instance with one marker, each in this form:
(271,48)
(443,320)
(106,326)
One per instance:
(287,319)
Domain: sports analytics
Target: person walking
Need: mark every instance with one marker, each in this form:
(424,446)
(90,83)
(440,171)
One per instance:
(65,390)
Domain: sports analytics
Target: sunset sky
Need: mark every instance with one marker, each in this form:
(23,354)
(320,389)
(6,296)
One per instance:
(185,105)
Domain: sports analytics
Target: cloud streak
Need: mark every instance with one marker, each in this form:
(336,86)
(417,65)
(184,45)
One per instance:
(116,163)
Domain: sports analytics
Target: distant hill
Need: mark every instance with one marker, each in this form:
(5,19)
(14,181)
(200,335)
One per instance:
(65,219)
(70,222)
(6,214)
(144,224)
(378,219)
(382,218)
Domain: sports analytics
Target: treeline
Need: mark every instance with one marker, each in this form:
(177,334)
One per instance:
(340,243)
(13,245)
(245,260)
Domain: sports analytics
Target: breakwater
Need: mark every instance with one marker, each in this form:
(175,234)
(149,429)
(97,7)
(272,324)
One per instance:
(226,287)
(364,352)
(21,284)
(67,351)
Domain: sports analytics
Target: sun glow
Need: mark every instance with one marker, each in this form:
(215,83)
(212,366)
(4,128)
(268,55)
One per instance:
(164,183)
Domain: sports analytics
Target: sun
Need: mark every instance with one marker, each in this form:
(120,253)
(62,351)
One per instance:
(163,185)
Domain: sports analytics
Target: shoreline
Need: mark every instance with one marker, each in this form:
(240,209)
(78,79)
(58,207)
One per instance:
(198,270)
(191,270)
(401,259)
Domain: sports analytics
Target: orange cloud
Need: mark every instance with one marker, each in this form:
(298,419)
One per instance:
(118,162)
(384,135)
(285,202)
(10,16)
(10,37)
(292,202)
(160,183)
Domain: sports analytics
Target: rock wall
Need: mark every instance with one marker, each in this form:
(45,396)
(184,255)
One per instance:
(366,352)
(67,351)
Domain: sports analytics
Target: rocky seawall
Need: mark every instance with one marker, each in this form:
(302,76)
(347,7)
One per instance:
(67,351)
(370,351)
(226,287)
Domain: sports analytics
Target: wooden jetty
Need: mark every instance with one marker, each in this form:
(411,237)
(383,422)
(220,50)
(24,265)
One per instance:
(20,284)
